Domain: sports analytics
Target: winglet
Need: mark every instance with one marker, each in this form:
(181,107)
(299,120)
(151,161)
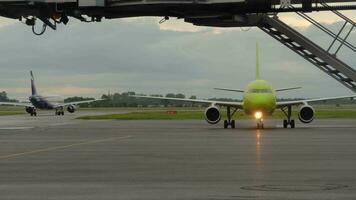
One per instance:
(257,63)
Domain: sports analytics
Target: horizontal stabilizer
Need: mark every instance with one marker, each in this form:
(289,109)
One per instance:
(226,89)
(285,89)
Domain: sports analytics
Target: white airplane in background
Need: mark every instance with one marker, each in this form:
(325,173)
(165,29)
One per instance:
(42,102)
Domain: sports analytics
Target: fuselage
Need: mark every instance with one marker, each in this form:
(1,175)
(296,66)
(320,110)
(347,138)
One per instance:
(259,96)
(41,102)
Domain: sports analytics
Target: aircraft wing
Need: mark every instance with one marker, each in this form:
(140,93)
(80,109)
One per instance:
(228,89)
(201,101)
(16,104)
(306,101)
(285,89)
(79,102)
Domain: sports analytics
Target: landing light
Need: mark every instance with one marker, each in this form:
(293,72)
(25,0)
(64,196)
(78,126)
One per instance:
(258,115)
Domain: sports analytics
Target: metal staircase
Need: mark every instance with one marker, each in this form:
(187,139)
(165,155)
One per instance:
(321,58)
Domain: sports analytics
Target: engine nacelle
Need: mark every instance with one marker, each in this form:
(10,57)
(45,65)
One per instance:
(71,108)
(30,110)
(306,114)
(212,115)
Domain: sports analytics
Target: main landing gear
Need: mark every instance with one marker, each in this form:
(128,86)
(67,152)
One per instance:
(288,114)
(230,122)
(33,113)
(59,111)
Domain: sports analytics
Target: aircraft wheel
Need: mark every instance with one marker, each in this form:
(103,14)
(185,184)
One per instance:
(232,123)
(225,124)
(292,123)
(285,123)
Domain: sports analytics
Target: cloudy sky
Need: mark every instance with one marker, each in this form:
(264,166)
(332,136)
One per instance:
(141,55)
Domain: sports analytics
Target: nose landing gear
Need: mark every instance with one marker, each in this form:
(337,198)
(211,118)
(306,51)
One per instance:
(260,124)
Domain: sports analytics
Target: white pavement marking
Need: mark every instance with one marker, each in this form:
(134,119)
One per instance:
(16,128)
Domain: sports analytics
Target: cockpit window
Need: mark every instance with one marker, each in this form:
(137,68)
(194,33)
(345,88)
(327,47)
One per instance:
(260,91)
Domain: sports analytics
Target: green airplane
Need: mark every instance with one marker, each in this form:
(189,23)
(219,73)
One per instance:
(259,101)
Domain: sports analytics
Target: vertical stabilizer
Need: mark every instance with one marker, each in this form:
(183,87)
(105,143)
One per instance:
(33,87)
(257,63)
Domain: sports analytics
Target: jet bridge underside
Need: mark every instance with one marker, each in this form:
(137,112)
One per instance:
(217,13)
(53,12)
(111,9)
(172,8)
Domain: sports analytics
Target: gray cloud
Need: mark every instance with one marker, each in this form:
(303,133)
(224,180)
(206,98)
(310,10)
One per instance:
(121,55)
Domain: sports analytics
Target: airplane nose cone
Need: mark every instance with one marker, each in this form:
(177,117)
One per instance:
(261,104)
(263,107)
(266,105)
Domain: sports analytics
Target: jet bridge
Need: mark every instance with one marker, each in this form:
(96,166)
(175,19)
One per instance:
(324,59)
(217,13)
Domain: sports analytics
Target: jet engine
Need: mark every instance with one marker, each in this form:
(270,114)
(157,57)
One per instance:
(71,108)
(212,115)
(30,110)
(306,114)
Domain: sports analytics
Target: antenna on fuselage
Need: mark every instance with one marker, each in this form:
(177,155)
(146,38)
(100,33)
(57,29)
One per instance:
(257,62)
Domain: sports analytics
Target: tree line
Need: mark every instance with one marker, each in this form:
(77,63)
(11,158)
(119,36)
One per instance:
(125,99)
(4,98)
